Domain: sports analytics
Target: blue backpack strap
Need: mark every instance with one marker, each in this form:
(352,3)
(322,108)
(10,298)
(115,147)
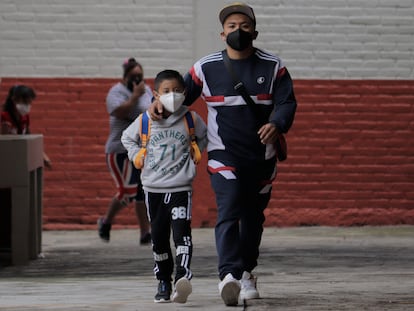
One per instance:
(190,124)
(145,130)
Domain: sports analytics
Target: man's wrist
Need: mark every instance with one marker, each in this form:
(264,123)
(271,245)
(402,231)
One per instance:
(276,128)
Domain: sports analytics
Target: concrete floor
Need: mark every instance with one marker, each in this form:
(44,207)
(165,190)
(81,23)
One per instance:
(306,268)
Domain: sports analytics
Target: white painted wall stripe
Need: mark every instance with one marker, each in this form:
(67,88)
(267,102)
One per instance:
(323,39)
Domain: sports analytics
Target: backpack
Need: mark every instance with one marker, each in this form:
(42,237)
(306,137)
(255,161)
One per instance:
(145,134)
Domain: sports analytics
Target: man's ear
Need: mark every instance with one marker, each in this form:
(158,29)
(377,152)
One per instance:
(255,34)
(155,94)
(223,36)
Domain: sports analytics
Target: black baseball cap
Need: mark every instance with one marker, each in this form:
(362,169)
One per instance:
(237,7)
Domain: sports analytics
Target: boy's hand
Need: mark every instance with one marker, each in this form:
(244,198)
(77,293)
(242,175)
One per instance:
(155,110)
(139,160)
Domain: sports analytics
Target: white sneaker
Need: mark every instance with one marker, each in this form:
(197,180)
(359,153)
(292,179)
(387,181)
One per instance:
(248,287)
(229,290)
(182,290)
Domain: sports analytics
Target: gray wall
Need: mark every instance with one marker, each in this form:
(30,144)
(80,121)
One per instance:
(325,39)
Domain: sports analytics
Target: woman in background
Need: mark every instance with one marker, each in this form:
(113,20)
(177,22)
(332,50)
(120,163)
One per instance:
(15,118)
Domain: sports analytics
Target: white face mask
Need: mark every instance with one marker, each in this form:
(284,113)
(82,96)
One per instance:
(23,109)
(172,101)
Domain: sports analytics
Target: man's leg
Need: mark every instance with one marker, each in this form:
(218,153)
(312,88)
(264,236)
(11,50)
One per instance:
(227,190)
(227,226)
(257,189)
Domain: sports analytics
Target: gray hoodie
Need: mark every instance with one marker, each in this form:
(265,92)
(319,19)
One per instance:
(168,166)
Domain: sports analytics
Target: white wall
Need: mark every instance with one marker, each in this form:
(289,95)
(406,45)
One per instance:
(323,39)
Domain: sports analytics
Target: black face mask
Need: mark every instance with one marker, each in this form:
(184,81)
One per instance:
(239,39)
(135,78)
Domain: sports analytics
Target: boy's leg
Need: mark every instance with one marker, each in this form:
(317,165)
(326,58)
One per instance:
(160,230)
(181,204)
(159,216)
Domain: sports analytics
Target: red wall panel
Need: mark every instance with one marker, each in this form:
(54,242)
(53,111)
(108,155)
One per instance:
(350,155)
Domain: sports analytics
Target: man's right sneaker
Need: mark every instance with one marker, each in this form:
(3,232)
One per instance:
(248,287)
(229,289)
(104,230)
(164,292)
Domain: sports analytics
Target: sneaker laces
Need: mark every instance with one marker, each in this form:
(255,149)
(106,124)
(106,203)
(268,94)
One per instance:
(162,287)
(248,282)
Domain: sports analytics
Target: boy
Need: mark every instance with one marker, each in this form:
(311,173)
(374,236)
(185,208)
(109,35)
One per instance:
(167,150)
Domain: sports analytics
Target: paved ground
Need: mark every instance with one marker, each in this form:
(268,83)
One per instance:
(308,268)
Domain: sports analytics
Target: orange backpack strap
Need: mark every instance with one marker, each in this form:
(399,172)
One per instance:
(145,133)
(195,151)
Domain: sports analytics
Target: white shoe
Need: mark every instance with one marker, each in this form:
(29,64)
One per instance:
(248,287)
(182,290)
(229,290)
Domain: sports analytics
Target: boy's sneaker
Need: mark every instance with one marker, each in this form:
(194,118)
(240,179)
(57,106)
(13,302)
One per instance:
(164,292)
(229,289)
(145,239)
(104,230)
(182,290)
(248,286)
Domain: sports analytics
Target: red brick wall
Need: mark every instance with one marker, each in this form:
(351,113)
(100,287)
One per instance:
(350,155)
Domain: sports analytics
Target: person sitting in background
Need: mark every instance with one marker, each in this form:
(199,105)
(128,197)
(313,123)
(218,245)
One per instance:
(15,118)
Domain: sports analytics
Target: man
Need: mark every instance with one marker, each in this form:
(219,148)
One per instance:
(125,101)
(241,148)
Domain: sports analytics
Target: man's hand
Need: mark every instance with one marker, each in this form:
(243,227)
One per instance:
(155,110)
(268,133)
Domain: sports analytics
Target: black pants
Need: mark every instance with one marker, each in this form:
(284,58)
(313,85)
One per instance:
(171,211)
(242,194)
